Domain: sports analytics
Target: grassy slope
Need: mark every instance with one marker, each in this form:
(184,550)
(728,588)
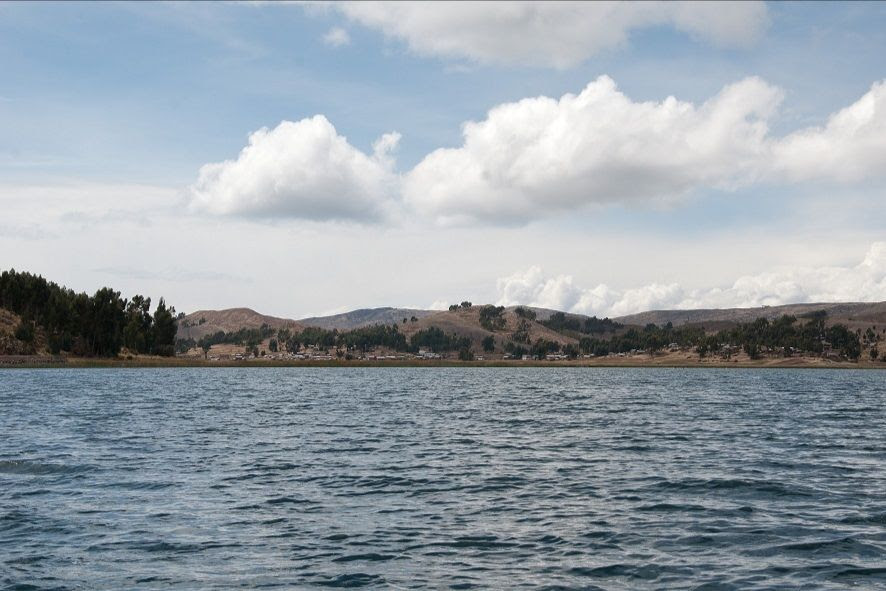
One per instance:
(854,315)
(230,320)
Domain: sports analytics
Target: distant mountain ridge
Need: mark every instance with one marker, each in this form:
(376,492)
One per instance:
(850,313)
(365,317)
(853,314)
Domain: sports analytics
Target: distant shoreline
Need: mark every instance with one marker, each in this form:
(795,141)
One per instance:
(661,362)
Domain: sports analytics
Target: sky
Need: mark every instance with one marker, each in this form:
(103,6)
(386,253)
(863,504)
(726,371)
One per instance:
(307,159)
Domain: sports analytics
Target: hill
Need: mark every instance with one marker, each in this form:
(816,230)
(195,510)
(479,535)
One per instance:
(465,322)
(852,314)
(204,322)
(364,317)
(9,344)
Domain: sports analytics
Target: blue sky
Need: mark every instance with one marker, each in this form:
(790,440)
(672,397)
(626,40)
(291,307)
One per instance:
(109,111)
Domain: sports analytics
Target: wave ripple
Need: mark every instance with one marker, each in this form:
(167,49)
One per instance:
(461,478)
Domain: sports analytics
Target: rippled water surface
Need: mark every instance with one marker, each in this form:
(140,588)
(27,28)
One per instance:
(442,478)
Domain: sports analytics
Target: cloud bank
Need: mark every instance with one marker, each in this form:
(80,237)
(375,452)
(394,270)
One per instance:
(540,156)
(549,34)
(863,282)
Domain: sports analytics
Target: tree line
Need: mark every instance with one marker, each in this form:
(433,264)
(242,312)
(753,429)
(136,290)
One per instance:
(360,339)
(97,325)
(785,336)
(562,323)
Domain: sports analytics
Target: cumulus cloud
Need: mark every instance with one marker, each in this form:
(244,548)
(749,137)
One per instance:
(336,37)
(302,169)
(849,147)
(543,155)
(549,34)
(865,281)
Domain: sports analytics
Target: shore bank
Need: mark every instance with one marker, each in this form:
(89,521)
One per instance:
(674,361)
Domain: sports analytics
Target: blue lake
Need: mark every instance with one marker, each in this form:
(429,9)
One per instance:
(458,478)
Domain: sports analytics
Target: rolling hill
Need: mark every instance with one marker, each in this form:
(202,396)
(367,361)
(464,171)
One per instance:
(852,314)
(203,322)
(465,322)
(364,317)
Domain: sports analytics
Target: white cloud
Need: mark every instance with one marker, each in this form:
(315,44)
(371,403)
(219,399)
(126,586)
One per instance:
(865,281)
(439,305)
(337,37)
(556,34)
(300,169)
(541,154)
(849,147)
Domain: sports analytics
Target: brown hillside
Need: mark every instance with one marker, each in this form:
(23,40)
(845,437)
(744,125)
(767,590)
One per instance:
(364,317)
(855,315)
(466,322)
(230,320)
(8,321)
(9,345)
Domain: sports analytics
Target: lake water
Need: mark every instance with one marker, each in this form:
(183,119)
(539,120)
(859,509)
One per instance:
(442,478)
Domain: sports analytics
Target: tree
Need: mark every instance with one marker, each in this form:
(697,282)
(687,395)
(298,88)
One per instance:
(465,354)
(752,350)
(84,325)
(466,305)
(516,351)
(525,313)
(165,328)
(702,350)
(453,308)
(104,329)
(489,344)
(491,317)
(25,331)
(521,335)
(272,345)
(206,346)
(137,335)
(874,353)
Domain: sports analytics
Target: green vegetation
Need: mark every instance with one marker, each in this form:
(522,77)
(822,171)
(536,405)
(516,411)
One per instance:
(361,339)
(438,341)
(250,337)
(525,313)
(369,337)
(103,324)
(783,336)
(521,335)
(97,325)
(593,325)
(492,317)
